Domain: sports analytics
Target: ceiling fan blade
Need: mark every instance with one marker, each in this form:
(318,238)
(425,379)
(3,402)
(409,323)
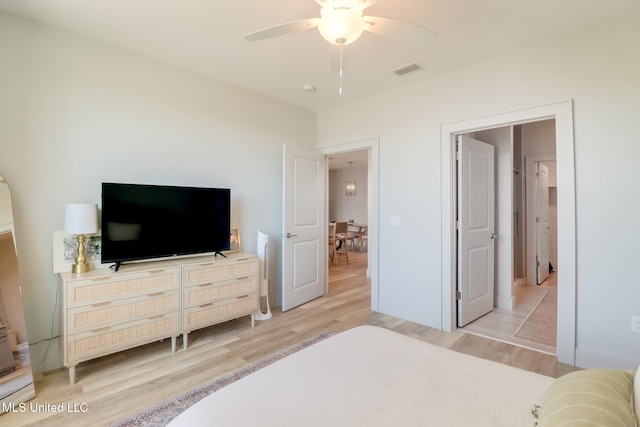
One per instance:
(397,29)
(282,29)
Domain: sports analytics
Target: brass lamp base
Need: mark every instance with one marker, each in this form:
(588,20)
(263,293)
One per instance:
(81,265)
(80,268)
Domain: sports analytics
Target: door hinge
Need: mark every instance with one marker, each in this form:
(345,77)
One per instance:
(458,295)
(458,225)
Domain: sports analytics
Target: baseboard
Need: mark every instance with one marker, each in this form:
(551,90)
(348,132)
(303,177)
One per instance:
(507,303)
(589,359)
(428,319)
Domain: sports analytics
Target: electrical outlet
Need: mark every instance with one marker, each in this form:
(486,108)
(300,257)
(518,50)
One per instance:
(635,324)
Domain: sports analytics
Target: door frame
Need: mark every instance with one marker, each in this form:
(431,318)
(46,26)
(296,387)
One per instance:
(372,145)
(562,112)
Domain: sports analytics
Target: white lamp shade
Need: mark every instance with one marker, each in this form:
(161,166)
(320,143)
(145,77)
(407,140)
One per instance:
(81,218)
(340,26)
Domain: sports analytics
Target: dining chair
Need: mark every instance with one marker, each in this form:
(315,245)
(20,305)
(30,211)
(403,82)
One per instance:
(342,236)
(332,242)
(363,238)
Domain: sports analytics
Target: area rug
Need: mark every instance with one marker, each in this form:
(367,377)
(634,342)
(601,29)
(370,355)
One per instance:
(540,326)
(162,414)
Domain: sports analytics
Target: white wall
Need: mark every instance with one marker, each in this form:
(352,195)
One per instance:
(343,207)
(75,113)
(600,71)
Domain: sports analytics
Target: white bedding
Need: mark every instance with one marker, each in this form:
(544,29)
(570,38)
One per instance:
(374,377)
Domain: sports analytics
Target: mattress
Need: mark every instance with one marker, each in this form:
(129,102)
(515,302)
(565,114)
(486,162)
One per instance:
(375,377)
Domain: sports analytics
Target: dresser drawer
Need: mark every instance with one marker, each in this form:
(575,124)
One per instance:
(118,286)
(197,274)
(211,313)
(215,291)
(108,313)
(106,340)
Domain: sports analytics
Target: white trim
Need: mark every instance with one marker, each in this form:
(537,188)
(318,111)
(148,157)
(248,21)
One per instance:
(373,147)
(562,112)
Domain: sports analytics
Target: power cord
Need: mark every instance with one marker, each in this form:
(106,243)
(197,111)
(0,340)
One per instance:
(53,316)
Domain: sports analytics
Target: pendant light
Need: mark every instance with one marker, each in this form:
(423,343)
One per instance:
(350,186)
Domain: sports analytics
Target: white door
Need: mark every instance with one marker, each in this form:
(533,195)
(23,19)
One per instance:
(542,222)
(304,246)
(476,228)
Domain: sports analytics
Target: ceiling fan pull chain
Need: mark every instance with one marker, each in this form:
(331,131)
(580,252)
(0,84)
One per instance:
(340,88)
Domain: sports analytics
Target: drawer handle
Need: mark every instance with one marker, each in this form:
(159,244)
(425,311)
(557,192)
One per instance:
(242,259)
(205,264)
(206,305)
(98,304)
(157,316)
(242,278)
(156,294)
(160,270)
(243,296)
(106,328)
(206,284)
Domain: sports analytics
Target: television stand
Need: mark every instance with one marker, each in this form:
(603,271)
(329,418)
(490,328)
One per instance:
(216,253)
(117,265)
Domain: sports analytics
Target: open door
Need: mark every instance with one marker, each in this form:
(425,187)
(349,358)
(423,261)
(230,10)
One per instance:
(542,223)
(304,246)
(476,228)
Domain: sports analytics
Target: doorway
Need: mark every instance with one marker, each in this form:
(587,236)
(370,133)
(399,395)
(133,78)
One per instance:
(518,173)
(370,148)
(562,113)
(348,194)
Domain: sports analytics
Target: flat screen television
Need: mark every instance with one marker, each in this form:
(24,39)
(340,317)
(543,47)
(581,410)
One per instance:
(154,221)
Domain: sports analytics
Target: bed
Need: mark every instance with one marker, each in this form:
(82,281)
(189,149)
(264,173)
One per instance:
(376,377)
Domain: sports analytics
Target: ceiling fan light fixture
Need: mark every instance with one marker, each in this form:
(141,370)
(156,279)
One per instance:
(340,26)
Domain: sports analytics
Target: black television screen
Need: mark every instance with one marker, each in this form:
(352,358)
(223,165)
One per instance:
(155,221)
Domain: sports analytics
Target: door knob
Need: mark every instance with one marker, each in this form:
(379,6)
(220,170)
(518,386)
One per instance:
(492,236)
(289,235)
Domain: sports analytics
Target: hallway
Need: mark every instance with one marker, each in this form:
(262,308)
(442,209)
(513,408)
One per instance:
(502,324)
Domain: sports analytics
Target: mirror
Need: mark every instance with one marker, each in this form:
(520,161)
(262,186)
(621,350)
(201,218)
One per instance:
(16,379)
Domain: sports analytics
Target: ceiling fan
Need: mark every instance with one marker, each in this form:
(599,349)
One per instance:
(341,22)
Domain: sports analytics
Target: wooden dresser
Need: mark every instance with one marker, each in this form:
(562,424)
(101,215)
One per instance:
(216,291)
(105,311)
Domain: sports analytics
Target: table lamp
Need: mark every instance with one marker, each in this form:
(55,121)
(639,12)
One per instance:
(81,219)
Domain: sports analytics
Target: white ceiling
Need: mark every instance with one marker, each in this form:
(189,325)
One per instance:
(207,36)
(351,159)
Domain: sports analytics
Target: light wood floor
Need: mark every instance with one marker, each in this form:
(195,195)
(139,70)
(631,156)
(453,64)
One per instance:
(501,324)
(117,386)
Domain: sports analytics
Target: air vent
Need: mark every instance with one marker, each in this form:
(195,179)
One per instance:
(407,69)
